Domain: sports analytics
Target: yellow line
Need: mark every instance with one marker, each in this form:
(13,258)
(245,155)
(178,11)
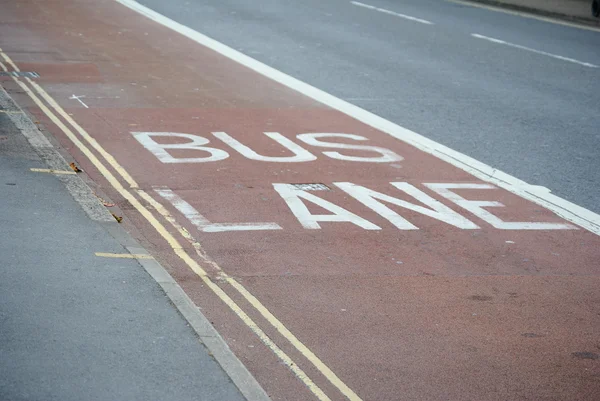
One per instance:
(184,233)
(332,377)
(526,15)
(10,112)
(51,171)
(303,349)
(328,373)
(179,251)
(107,156)
(9,61)
(124,255)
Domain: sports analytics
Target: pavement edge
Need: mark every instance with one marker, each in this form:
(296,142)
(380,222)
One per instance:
(591,21)
(83,194)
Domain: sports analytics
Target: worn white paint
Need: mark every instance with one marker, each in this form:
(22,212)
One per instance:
(195,143)
(436,209)
(293,197)
(477,208)
(312,187)
(395,14)
(202,223)
(387,155)
(300,154)
(78,98)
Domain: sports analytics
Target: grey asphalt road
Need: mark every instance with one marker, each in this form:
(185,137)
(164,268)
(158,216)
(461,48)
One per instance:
(531,115)
(74,326)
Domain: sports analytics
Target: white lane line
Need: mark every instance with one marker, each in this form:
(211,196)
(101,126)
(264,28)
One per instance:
(501,42)
(383,10)
(569,211)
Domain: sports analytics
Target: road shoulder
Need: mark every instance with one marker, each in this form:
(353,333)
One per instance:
(576,11)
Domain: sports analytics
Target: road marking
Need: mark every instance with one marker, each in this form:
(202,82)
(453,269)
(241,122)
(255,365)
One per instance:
(197,143)
(78,98)
(435,209)
(281,328)
(387,155)
(501,42)
(293,197)
(123,255)
(563,208)
(383,10)
(525,15)
(11,112)
(175,245)
(376,122)
(477,208)
(80,191)
(207,334)
(297,195)
(263,310)
(108,157)
(202,223)
(51,171)
(300,154)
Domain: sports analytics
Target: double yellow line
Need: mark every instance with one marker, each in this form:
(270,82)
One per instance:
(128,194)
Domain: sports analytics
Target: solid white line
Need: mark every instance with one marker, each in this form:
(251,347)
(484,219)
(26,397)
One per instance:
(501,42)
(383,10)
(563,208)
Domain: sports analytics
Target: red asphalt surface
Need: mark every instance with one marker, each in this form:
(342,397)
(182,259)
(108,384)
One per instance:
(438,313)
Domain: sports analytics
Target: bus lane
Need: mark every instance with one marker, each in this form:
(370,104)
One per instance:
(381,271)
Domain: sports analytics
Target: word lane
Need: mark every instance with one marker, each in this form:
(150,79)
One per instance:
(297,199)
